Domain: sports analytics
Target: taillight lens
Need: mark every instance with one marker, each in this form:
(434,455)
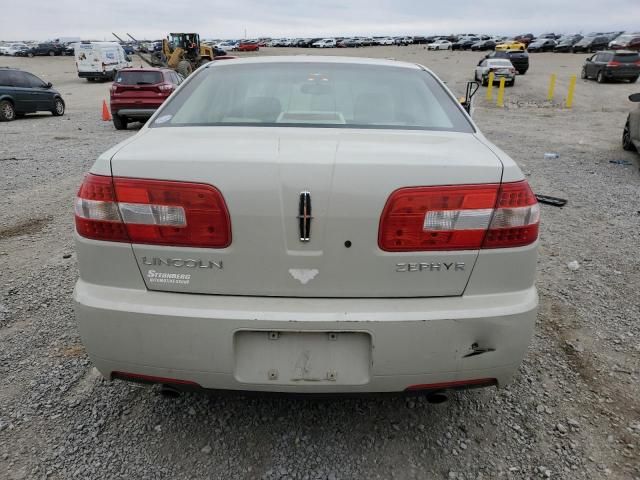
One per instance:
(464,217)
(155,212)
(613,63)
(516,218)
(166,87)
(96,210)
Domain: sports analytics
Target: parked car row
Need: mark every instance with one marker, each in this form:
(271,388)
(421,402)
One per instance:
(550,42)
(590,43)
(342,42)
(20,49)
(237,46)
(12,49)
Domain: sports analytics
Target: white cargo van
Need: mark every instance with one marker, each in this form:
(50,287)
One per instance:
(100,60)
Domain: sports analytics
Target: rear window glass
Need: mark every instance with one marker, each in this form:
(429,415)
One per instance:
(138,78)
(314,95)
(626,57)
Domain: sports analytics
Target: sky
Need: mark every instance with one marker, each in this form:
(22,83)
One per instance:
(153,19)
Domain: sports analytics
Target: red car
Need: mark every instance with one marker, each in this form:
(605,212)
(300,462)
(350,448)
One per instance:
(247,47)
(137,93)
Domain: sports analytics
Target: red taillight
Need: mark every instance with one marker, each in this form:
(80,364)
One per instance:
(464,217)
(516,218)
(166,87)
(156,212)
(613,63)
(96,210)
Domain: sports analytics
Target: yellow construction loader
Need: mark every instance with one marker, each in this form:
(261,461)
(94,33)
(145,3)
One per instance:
(181,52)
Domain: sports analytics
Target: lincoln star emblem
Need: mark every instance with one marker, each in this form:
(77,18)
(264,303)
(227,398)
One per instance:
(303,275)
(304,216)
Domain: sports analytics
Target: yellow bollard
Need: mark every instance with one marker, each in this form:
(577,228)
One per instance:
(501,93)
(552,86)
(572,90)
(492,77)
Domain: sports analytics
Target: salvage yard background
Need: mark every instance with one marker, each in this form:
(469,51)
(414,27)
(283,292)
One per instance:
(573,411)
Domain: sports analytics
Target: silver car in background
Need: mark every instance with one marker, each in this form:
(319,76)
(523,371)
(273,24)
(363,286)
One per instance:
(307,225)
(500,67)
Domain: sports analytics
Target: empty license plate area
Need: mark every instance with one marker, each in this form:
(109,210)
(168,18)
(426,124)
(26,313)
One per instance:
(293,358)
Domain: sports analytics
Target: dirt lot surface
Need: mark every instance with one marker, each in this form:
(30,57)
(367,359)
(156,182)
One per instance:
(573,411)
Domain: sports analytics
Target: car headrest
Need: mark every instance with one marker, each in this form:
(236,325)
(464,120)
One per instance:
(264,109)
(373,108)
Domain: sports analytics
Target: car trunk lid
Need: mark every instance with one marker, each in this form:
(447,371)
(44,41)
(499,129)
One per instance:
(348,174)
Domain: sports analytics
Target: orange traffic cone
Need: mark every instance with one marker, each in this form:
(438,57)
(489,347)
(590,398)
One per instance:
(106,116)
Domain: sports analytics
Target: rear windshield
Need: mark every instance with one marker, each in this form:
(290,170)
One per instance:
(314,95)
(626,57)
(138,78)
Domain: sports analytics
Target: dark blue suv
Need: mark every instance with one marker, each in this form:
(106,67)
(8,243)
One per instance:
(22,92)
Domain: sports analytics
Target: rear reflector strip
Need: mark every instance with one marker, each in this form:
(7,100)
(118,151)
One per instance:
(464,217)
(477,382)
(137,377)
(155,212)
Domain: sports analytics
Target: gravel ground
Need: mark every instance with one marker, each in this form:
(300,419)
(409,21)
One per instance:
(572,412)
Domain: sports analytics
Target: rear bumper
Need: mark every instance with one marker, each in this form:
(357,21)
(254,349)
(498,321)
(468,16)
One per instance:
(195,338)
(498,76)
(138,108)
(620,75)
(100,75)
(134,112)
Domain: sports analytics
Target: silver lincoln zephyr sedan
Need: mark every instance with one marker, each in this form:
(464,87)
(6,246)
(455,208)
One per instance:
(307,225)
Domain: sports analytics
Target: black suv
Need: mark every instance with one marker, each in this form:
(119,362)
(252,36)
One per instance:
(612,65)
(591,44)
(43,49)
(22,92)
(519,59)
